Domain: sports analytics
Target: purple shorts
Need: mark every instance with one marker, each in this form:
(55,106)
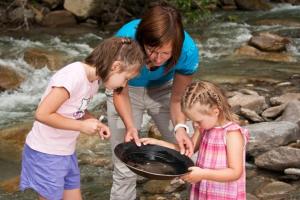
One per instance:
(49,175)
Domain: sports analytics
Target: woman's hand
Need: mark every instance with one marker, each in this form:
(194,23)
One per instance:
(184,142)
(193,176)
(132,134)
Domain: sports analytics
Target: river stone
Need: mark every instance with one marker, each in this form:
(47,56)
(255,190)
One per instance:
(285,98)
(250,114)
(248,101)
(247,51)
(39,58)
(266,41)
(273,112)
(12,140)
(83,8)
(252,5)
(291,113)
(59,18)
(268,135)
(251,197)
(293,171)
(9,79)
(273,190)
(279,159)
(163,186)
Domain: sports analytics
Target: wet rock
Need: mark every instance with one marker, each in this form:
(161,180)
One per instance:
(10,185)
(267,135)
(252,102)
(273,112)
(266,41)
(12,140)
(256,182)
(163,186)
(273,190)
(292,171)
(283,22)
(154,132)
(253,53)
(39,58)
(279,159)
(9,79)
(53,3)
(252,5)
(59,18)
(291,113)
(251,115)
(83,9)
(285,98)
(251,197)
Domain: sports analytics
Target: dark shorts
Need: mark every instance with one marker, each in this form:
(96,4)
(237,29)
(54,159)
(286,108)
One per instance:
(49,175)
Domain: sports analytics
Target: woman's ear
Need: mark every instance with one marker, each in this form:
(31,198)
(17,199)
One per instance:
(116,66)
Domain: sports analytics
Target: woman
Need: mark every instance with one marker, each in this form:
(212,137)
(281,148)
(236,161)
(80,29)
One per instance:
(172,59)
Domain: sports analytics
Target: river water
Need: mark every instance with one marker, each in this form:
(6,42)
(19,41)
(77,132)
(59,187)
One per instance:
(216,42)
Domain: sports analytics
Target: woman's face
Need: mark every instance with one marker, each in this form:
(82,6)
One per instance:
(158,55)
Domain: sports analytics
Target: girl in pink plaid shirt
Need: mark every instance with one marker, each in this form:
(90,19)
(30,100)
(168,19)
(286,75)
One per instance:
(219,173)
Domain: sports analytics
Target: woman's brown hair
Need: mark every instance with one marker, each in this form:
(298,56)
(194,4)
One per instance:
(207,93)
(162,24)
(114,49)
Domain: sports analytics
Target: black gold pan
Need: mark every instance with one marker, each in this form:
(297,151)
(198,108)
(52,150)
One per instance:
(153,161)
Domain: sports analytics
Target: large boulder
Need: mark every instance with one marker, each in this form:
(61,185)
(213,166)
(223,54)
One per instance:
(59,18)
(279,159)
(268,135)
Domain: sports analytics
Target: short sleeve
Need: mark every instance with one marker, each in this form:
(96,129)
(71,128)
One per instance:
(243,131)
(69,78)
(129,29)
(188,62)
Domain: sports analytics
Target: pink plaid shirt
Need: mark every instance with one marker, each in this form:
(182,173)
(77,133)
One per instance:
(212,155)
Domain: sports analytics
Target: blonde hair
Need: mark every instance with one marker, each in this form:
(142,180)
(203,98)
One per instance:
(207,93)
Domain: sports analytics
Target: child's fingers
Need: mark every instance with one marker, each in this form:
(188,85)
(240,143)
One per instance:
(145,141)
(101,134)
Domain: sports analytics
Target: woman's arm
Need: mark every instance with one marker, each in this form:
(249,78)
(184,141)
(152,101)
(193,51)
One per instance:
(235,158)
(123,107)
(47,113)
(179,84)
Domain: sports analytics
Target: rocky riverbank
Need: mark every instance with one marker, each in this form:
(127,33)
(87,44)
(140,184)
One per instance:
(270,110)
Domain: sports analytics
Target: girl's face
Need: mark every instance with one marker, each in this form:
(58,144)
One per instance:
(160,55)
(119,79)
(205,116)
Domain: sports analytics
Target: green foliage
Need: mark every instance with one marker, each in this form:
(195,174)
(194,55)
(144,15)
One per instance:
(194,11)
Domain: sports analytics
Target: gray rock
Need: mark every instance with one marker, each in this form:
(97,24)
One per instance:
(279,159)
(267,135)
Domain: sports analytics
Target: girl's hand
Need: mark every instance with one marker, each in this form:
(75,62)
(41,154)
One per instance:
(146,141)
(103,131)
(193,176)
(132,134)
(90,126)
